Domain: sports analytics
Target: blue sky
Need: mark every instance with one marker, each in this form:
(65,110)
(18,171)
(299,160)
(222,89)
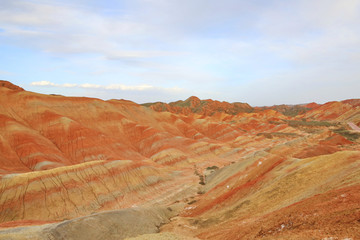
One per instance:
(263,52)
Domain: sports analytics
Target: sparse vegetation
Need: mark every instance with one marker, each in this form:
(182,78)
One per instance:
(288,110)
(294,111)
(276,122)
(277,134)
(212,168)
(191,202)
(302,123)
(349,135)
(201,177)
(202,182)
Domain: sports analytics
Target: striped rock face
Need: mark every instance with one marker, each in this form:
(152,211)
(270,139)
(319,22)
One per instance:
(218,170)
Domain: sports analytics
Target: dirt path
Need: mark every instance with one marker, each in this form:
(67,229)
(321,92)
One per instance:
(354,126)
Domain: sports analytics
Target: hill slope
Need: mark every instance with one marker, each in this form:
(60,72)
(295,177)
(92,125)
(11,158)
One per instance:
(223,173)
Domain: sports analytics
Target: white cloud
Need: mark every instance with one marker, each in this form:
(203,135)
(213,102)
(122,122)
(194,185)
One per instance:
(104,87)
(51,84)
(114,55)
(69,29)
(268,47)
(5,73)
(44,83)
(69,85)
(124,87)
(137,93)
(88,85)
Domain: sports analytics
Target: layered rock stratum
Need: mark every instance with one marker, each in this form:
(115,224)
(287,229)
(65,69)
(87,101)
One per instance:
(193,169)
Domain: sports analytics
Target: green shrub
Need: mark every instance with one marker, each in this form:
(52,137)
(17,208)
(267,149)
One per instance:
(351,136)
(300,123)
(212,168)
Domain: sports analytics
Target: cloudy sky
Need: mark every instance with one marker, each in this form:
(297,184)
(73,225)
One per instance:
(263,52)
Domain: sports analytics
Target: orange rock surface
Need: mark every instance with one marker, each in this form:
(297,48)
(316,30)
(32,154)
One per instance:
(242,173)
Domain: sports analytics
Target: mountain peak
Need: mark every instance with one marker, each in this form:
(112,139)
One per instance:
(193,98)
(10,85)
(193,101)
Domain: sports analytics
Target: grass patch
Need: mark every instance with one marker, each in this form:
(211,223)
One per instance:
(294,111)
(212,168)
(277,134)
(349,135)
(303,123)
(201,177)
(276,122)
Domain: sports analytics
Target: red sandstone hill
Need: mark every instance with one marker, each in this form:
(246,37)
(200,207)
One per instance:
(114,169)
(204,107)
(290,110)
(347,110)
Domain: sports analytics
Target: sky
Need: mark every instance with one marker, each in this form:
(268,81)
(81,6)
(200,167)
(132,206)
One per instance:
(262,52)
